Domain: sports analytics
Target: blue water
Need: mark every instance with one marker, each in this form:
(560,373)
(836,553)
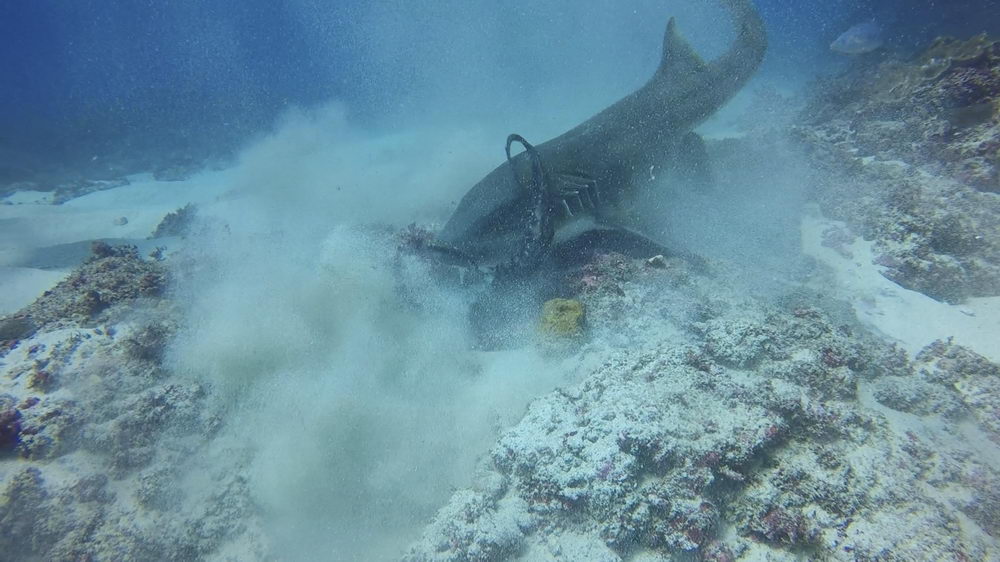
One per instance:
(130,82)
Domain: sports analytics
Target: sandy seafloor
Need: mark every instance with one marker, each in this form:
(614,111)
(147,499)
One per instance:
(284,387)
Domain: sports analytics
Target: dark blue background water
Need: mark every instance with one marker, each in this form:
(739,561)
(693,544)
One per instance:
(112,86)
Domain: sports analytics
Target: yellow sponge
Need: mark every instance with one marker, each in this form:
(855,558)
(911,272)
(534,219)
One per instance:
(562,318)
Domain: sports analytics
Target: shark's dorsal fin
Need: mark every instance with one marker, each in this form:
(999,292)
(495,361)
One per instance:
(678,56)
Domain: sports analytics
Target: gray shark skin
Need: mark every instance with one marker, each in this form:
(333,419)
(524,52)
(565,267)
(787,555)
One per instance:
(520,212)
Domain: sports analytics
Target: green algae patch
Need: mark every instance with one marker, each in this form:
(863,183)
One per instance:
(562,318)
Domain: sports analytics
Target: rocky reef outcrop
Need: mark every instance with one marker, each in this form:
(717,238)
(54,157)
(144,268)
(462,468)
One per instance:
(97,437)
(110,276)
(724,427)
(911,153)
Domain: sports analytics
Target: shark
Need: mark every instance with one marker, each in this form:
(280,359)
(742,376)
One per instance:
(570,193)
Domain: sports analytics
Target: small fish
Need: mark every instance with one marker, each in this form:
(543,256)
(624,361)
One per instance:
(858,40)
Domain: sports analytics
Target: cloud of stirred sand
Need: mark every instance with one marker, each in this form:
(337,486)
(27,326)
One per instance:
(347,371)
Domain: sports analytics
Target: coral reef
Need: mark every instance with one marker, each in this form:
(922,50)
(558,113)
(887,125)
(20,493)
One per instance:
(909,151)
(723,427)
(176,223)
(707,424)
(974,380)
(939,109)
(96,435)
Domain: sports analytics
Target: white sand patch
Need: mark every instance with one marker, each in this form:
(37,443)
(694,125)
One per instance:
(40,242)
(911,318)
(19,286)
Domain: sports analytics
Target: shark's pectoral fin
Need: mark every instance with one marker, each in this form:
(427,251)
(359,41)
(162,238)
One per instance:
(691,166)
(581,246)
(679,58)
(448,254)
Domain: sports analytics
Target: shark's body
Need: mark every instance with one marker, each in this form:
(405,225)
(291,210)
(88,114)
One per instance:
(560,191)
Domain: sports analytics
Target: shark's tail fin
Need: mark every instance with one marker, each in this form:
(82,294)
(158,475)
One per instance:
(679,58)
(743,57)
(736,64)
